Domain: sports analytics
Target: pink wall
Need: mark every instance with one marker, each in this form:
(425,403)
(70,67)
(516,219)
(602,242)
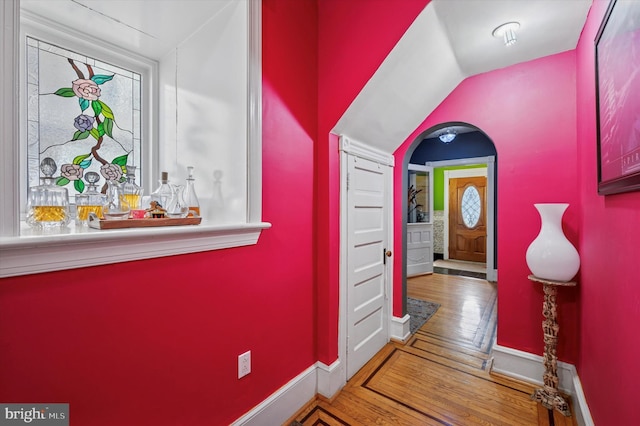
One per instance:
(609,288)
(528,111)
(354,38)
(156,342)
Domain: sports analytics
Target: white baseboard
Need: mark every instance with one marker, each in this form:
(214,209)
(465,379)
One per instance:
(400,328)
(530,368)
(328,380)
(282,404)
(331,378)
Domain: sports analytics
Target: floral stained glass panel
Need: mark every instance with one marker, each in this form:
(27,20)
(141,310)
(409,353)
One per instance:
(83,113)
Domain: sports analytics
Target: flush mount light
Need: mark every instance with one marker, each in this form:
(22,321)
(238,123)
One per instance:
(507,32)
(447,136)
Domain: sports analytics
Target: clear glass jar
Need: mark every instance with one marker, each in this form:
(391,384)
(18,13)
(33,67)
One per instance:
(90,201)
(116,206)
(177,207)
(47,204)
(190,196)
(131,191)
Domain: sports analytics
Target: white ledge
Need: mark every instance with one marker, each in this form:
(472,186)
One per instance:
(31,254)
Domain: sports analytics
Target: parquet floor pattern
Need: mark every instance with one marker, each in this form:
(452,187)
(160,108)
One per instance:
(440,376)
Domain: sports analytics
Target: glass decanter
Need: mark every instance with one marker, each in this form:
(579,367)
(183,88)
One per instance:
(116,206)
(190,196)
(177,207)
(130,190)
(47,204)
(90,201)
(164,192)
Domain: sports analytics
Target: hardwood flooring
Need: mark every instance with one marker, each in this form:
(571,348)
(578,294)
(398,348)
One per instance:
(440,376)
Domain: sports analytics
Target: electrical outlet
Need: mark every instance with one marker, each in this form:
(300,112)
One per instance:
(244,364)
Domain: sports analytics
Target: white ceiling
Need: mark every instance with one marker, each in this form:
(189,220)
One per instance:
(151,28)
(448,42)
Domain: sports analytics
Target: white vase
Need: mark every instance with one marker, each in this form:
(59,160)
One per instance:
(551,255)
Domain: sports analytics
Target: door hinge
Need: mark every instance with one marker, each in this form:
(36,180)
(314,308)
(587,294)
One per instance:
(348,180)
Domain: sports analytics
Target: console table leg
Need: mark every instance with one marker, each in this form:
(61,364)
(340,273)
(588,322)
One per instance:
(548,395)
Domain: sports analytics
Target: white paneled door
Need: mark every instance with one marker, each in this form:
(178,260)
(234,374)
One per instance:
(367,254)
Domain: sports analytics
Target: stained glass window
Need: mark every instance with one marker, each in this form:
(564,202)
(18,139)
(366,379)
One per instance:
(471,206)
(83,113)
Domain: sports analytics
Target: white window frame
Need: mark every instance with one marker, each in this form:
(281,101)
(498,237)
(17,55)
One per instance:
(28,254)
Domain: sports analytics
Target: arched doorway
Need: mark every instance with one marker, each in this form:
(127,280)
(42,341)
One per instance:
(463,145)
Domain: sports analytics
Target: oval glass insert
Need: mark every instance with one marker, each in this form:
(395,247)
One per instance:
(471,206)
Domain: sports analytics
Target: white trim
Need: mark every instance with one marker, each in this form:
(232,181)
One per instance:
(9,125)
(254,115)
(400,328)
(30,255)
(361,150)
(330,378)
(348,147)
(580,407)
(342,302)
(530,368)
(283,403)
(492,273)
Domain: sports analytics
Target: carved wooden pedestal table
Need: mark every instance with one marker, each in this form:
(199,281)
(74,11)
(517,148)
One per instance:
(548,395)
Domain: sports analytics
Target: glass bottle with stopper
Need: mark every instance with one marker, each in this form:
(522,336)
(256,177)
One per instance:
(90,201)
(164,192)
(190,196)
(47,204)
(130,190)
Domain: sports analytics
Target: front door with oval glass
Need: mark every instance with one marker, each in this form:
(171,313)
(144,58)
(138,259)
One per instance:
(467,219)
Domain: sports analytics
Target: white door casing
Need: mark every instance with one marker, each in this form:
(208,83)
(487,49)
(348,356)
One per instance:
(365,238)
(420,235)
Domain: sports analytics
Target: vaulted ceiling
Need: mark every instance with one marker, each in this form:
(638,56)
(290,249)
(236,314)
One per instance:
(450,41)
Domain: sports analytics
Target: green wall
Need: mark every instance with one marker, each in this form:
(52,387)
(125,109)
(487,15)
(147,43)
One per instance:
(438,183)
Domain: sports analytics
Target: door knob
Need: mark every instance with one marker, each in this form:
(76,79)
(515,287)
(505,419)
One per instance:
(388,253)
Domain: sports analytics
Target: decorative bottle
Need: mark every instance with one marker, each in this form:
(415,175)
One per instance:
(551,255)
(90,201)
(177,207)
(116,206)
(190,196)
(47,204)
(130,190)
(164,192)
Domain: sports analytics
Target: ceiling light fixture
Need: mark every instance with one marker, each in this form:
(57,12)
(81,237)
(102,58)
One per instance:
(507,32)
(447,136)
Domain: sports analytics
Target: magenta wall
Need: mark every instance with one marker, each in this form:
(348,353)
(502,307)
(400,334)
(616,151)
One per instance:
(610,251)
(528,110)
(355,36)
(156,342)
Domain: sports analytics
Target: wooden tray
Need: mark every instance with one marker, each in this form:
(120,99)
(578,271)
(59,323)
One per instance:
(142,223)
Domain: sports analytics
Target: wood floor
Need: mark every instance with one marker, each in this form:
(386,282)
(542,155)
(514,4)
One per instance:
(441,375)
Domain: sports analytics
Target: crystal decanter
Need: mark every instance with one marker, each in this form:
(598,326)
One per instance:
(47,204)
(131,191)
(90,201)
